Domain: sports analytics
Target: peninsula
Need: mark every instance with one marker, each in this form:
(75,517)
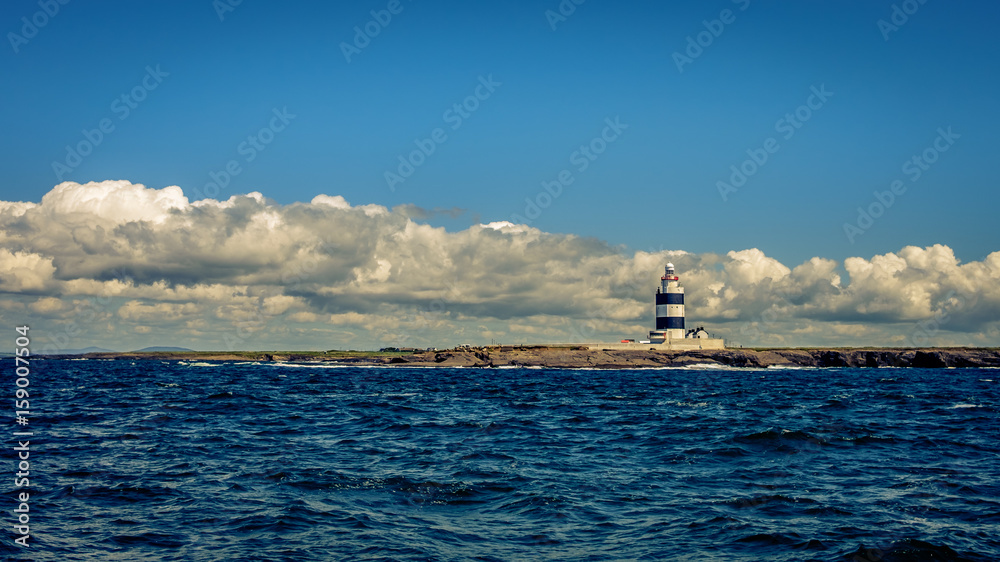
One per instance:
(573,357)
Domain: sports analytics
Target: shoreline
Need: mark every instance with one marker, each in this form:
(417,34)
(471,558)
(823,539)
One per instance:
(556,357)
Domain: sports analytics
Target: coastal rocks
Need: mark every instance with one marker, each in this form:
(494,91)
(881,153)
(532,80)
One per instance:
(833,359)
(916,358)
(447,359)
(797,357)
(567,357)
(925,360)
(574,358)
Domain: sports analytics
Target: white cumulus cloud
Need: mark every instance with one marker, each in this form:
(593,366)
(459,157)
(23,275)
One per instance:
(150,268)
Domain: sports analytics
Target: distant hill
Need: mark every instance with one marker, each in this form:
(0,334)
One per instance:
(90,349)
(161,348)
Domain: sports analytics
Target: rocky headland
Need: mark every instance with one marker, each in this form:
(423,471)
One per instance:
(581,357)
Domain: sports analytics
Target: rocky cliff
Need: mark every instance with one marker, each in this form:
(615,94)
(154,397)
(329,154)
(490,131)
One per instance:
(570,357)
(556,357)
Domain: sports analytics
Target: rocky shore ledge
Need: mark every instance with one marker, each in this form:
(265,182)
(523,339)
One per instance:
(579,357)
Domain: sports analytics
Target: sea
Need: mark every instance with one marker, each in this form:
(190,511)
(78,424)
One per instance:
(185,460)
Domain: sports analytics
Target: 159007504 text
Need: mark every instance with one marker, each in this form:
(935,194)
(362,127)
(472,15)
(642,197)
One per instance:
(22,370)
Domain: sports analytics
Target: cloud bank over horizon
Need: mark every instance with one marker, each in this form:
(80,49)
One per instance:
(123,266)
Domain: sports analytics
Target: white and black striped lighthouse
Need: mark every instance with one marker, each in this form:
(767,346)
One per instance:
(670,305)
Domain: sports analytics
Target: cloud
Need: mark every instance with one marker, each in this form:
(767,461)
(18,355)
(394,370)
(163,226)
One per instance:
(24,272)
(115,202)
(419,213)
(250,273)
(48,305)
(156,313)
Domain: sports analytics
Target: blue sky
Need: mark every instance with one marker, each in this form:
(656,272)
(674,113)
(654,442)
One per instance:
(208,82)
(654,186)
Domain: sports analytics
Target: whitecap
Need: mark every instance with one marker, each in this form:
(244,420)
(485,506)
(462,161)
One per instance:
(690,404)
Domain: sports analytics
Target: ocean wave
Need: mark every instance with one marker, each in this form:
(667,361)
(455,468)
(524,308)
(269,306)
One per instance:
(415,463)
(202,364)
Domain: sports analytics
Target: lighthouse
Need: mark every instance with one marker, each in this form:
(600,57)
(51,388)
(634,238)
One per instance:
(669,309)
(669,334)
(670,306)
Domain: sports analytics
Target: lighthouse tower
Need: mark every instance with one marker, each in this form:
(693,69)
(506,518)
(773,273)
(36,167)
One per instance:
(669,334)
(669,306)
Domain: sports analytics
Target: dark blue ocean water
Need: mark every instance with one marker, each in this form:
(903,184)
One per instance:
(228,461)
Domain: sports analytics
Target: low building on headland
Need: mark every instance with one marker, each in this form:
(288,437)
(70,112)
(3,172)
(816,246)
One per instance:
(669,334)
